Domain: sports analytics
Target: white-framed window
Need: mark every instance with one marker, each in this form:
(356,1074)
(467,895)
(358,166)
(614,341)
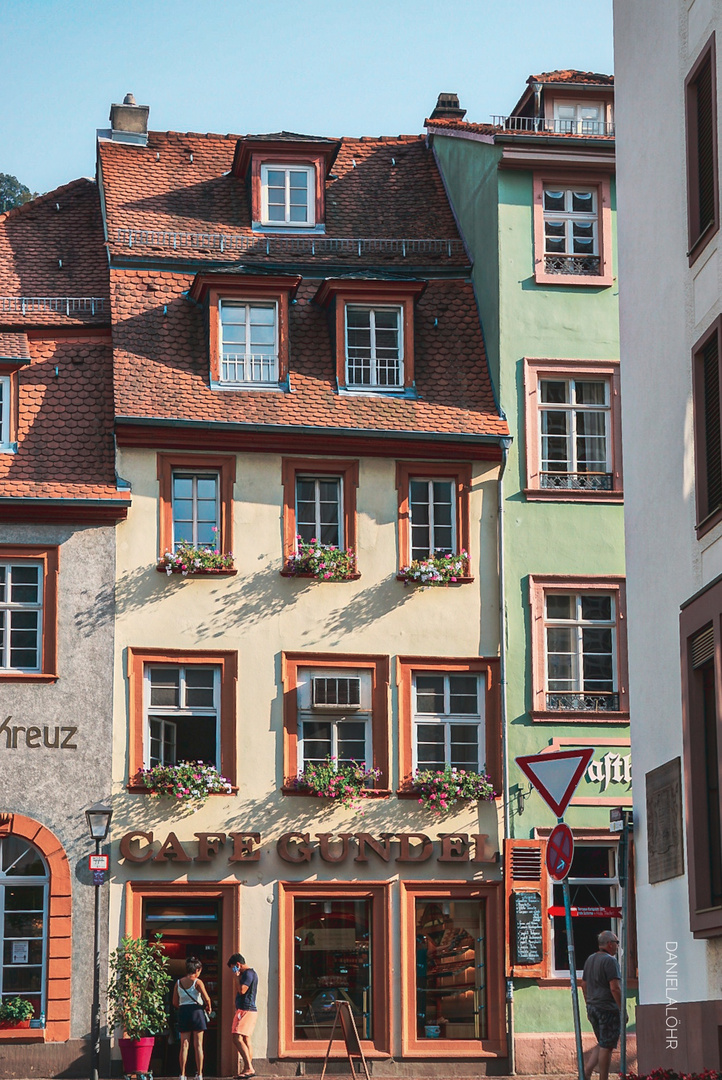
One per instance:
(21,616)
(24,883)
(432,516)
(579,118)
(5,443)
(319,509)
(374,347)
(581,651)
(448,712)
(249,342)
(574,418)
(288,195)
(334,716)
(196,509)
(182,714)
(593,882)
(570,221)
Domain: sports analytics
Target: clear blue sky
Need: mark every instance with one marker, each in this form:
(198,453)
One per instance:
(323,67)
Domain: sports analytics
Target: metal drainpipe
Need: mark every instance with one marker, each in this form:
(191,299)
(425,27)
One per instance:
(505,446)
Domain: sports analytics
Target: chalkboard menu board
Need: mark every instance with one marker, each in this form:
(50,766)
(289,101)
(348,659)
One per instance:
(528,943)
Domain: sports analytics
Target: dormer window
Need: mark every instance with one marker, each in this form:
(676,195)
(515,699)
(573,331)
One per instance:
(249,342)
(374,347)
(579,118)
(288,195)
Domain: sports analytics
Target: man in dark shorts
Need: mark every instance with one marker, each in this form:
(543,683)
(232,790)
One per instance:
(246,1014)
(601,986)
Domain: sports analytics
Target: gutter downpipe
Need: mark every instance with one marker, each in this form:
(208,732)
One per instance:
(505,445)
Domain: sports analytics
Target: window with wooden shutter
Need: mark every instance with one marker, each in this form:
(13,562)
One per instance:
(707,428)
(526,885)
(702,179)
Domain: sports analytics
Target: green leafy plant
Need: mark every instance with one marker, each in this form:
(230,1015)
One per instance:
(137,990)
(346,782)
(440,791)
(15,1010)
(188,781)
(325,562)
(436,569)
(188,559)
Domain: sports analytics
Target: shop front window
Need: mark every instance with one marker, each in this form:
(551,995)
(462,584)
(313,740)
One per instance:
(332,963)
(23,917)
(450,969)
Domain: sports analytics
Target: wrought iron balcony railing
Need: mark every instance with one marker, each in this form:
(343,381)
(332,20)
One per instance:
(573,264)
(582,702)
(547,125)
(577,481)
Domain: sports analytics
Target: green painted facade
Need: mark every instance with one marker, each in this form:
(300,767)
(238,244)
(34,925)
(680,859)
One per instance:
(521,318)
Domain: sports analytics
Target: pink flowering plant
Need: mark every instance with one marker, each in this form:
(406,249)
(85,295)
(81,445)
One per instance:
(344,782)
(325,562)
(186,782)
(440,791)
(436,569)
(188,559)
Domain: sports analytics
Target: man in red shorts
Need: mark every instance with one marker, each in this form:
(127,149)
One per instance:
(244,1020)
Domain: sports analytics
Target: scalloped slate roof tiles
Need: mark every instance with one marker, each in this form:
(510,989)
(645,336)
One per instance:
(14,346)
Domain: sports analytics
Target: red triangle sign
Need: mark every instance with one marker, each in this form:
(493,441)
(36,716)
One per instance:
(555,775)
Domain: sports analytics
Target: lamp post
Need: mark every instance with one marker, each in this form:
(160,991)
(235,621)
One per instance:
(98,817)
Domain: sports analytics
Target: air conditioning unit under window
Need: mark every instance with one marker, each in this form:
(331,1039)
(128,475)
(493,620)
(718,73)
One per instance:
(337,692)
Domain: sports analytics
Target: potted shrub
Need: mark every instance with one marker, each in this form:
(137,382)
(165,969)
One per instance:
(137,999)
(16,1013)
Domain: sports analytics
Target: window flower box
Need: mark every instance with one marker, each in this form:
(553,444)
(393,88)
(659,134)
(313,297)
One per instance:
(345,783)
(323,562)
(437,569)
(186,782)
(16,1013)
(196,561)
(440,791)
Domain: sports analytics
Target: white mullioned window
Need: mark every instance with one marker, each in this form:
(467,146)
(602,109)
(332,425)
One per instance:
(196,509)
(593,883)
(249,343)
(570,221)
(374,347)
(577,118)
(448,721)
(5,443)
(24,883)
(334,716)
(182,714)
(21,615)
(319,513)
(288,195)
(432,515)
(575,433)
(580,632)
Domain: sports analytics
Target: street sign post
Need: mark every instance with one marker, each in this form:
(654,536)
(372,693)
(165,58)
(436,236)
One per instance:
(98,862)
(560,852)
(555,775)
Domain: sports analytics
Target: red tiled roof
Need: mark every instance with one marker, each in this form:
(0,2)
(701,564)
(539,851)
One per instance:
(63,226)
(14,346)
(65,435)
(162,368)
(386,188)
(463,125)
(570,75)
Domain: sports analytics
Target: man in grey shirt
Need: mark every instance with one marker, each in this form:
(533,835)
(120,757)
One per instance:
(602,991)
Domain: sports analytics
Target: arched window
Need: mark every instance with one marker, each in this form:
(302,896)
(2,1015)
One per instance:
(24,908)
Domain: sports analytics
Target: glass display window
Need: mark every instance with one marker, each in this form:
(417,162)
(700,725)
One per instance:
(23,918)
(451,988)
(332,963)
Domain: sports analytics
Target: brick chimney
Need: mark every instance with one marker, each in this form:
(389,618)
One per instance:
(129,122)
(447,108)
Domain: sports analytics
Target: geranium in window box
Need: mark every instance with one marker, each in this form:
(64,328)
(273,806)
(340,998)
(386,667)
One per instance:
(196,560)
(437,569)
(440,791)
(344,782)
(324,562)
(16,1013)
(186,782)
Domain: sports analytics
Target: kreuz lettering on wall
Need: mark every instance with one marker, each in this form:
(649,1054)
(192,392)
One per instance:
(35,737)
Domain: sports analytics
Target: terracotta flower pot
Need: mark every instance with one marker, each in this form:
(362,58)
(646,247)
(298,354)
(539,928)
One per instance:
(14,1024)
(136,1054)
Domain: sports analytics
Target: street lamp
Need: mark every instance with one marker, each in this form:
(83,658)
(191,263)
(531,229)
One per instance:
(98,817)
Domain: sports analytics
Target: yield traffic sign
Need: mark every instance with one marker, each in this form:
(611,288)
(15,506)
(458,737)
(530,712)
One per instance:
(555,775)
(560,852)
